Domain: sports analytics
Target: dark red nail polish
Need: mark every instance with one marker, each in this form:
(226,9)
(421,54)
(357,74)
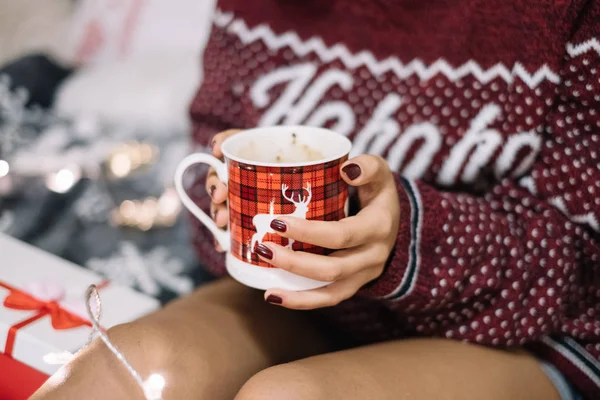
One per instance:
(278,225)
(264,251)
(274,299)
(212,190)
(352,171)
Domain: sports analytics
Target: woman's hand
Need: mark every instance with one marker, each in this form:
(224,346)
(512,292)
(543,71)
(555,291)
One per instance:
(216,188)
(364,241)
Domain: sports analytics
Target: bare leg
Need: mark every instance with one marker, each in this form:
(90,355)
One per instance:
(413,369)
(206,345)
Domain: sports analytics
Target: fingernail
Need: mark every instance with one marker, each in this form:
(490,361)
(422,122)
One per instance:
(212,190)
(352,171)
(264,251)
(278,225)
(212,144)
(274,299)
(214,214)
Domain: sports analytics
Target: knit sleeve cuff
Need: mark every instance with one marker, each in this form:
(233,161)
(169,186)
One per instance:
(400,273)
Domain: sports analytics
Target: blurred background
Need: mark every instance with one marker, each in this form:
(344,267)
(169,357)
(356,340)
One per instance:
(94,98)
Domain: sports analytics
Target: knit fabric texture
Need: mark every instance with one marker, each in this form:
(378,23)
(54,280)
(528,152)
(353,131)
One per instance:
(488,113)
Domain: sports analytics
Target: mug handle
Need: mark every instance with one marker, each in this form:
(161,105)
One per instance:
(222,237)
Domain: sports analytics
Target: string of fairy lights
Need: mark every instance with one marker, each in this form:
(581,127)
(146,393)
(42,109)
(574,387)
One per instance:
(152,387)
(143,214)
(122,161)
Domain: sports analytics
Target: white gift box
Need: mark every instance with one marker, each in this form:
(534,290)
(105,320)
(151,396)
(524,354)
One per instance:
(53,290)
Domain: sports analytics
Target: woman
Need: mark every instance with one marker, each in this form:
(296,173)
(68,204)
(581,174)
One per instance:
(488,112)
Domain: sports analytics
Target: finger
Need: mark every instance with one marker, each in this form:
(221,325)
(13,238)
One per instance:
(220,214)
(333,267)
(348,232)
(218,247)
(218,139)
(215,188)
(326,296)
(367,171)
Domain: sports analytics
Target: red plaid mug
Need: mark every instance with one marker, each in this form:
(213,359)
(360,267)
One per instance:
(271,172)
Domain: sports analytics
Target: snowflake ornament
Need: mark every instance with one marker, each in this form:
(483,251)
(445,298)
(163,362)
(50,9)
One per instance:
(17,122)
(12,115)
(94,205)
(149,271)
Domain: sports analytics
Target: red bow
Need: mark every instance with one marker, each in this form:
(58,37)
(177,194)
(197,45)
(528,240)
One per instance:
(19,300)
(61,318)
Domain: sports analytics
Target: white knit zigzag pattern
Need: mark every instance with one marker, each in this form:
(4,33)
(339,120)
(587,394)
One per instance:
(575,50)
(528,183)
(222,19)
(587,218)
(391,64)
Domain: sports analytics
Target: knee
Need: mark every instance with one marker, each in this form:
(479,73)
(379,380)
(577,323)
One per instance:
(141,342)
(283,382)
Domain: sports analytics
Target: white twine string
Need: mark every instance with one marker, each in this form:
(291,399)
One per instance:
(154,385)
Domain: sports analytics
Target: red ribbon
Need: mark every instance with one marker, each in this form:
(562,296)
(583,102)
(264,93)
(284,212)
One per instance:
(20,300)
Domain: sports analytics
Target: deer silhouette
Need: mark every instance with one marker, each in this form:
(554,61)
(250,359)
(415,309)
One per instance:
(262,222)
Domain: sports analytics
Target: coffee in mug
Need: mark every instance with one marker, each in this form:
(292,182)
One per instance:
(292,152)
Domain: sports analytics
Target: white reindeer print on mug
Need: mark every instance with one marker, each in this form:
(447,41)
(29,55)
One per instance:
(262,222)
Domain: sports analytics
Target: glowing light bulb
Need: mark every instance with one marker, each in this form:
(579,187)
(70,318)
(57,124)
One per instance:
(169,204)
(153,387)
(121,165)
(58,358)
(4,168)
(63,180)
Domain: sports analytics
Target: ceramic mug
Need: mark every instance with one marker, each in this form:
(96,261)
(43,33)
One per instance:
(271,172)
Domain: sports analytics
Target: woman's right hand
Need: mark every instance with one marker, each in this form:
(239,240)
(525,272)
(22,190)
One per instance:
(216,188)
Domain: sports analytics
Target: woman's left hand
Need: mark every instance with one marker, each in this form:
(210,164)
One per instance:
(363,241)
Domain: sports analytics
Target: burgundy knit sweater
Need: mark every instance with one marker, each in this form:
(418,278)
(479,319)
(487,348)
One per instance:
(489,112)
